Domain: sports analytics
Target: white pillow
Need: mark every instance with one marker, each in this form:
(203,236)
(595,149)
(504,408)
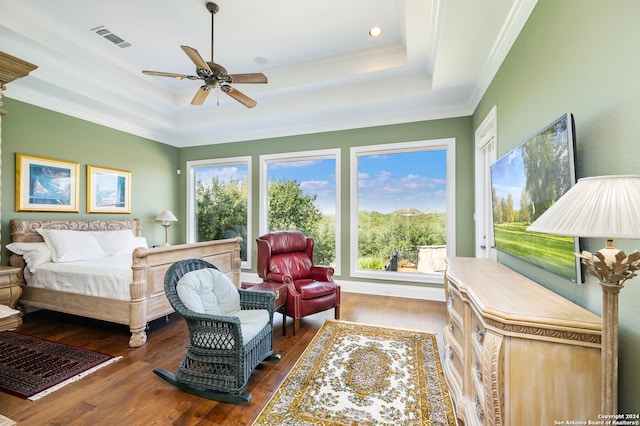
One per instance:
(141,242)
(34,254)
(208,291)
(69,246)
(116,243)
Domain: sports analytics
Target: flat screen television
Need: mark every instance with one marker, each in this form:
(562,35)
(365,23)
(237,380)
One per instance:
(524,183)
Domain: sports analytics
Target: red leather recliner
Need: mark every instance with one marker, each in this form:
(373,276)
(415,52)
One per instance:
(287,257)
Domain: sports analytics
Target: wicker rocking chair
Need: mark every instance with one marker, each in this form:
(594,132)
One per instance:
(223,348)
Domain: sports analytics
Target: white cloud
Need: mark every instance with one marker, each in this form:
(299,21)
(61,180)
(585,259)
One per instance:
(223,174)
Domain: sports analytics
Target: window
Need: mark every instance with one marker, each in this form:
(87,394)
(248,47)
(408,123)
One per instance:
(403,210)
(218,201)
(299,191)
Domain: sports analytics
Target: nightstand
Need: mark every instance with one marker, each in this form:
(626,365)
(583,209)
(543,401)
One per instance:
(10,292)
(280,290)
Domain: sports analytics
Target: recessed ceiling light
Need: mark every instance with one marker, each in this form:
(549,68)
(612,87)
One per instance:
(375,32)
(260,60)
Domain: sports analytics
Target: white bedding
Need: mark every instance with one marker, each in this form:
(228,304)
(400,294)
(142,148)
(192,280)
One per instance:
(104,277)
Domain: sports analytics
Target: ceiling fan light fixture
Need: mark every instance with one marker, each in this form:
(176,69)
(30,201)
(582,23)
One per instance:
(375,32)
(214,75)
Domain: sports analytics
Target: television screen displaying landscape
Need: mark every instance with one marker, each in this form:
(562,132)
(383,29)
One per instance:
(524,183)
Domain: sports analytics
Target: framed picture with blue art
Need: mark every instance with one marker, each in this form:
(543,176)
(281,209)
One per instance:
(46,184)
(108,190)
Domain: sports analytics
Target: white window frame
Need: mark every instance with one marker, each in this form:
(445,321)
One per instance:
(322,154)
(486,142)
(448,145)
(191,192)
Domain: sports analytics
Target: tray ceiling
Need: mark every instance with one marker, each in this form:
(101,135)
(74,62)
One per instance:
(435,59)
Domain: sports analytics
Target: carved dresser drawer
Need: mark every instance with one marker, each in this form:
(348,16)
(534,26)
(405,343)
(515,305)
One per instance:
(454,337)
(515,352)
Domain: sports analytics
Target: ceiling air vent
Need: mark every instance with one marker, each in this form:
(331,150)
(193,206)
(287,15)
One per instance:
(101,30)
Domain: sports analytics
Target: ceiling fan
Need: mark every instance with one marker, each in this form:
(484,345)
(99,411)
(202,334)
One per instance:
(214,75)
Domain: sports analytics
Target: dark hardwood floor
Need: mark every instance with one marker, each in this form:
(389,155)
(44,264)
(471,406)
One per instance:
(128,393)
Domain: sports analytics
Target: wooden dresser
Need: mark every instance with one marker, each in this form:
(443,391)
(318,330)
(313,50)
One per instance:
(517,353)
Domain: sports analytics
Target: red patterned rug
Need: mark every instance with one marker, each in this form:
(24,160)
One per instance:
(33,367)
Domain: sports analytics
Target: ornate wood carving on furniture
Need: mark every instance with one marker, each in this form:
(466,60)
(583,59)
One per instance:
(10,290)
(149,265)
(515,352)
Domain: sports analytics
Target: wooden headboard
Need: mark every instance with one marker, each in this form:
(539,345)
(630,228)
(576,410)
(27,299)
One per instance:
(24,231)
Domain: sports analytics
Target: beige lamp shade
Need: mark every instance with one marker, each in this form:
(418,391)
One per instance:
(595,207)
(166,216)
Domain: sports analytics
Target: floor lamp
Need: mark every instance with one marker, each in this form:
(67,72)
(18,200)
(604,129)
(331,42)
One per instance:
(601,207)
(166,217)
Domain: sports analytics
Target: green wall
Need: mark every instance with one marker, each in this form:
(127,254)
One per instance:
(458,128)
(28,129)
(580,56)
(156,186)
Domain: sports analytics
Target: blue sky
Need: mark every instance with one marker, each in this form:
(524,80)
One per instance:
(403,180)
(314,176)
(507,176)
(385,182)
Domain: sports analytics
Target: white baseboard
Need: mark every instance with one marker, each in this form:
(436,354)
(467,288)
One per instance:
(396,290)
(379,289)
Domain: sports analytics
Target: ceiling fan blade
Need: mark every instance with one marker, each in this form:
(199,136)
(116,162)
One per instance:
(201,95)
(251,78)
(196,58)
(170,74)
(240,97)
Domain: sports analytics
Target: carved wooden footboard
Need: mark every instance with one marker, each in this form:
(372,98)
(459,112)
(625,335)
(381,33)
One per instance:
(149,266)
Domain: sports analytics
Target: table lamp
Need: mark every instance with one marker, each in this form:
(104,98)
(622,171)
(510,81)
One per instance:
(166,217)
(601,207)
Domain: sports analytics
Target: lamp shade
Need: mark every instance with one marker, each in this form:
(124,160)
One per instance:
(595,207)
(166,216)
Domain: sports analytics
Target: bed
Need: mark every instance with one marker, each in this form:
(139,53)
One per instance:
(143,301)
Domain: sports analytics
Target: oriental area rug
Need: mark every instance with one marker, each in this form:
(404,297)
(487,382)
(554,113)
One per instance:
(355,374)
(32,367)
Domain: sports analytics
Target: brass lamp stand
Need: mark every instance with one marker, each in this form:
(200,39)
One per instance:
(612,267)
